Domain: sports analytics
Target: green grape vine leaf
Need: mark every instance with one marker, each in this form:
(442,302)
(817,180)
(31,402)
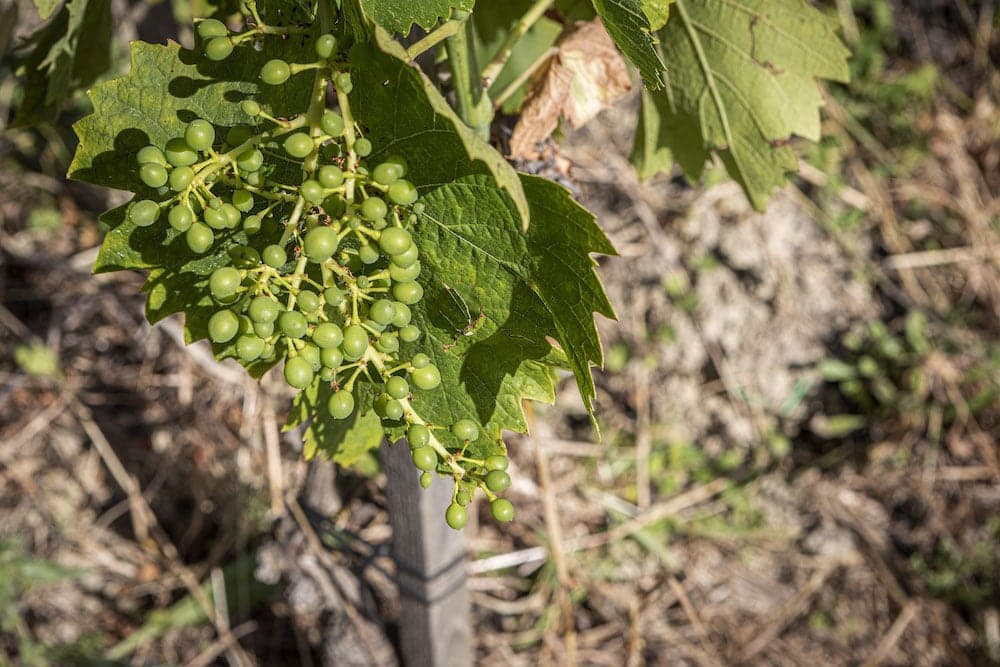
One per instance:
(68,54)
(657,12)
(742,80)
(344,441)
(629,25)
(46,7)
(400,15)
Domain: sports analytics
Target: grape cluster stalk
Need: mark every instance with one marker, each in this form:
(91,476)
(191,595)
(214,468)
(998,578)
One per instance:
(332,297)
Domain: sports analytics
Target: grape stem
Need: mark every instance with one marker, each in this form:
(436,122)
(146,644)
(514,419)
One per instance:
(433,38)
(523,78)
(503,54)
(471,101)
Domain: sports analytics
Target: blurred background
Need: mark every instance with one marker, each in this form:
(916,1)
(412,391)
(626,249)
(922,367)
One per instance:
(800,410)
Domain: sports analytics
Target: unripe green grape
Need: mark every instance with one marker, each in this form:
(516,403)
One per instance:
(330,176)
(331,357)
(223,326)
(409,334)
(382,311)
(180,178)
(425,479)
(401,315)
(372,324)
(199,237)
(334,205)
(311,354)
(263,309)
(232,215)
(320,243)
(333,296)
(325,44)
(388,343)
(151,155)
(368,254)
(408,293)
(263,329)
(465,429)
(298,144)
(215,203)
(341,405)
(215,218)
(394,240)
(311,191)
(332,123)
(250,160)
(355,342)
(418,436)
(144,212)
(362,146)
(275,72)
(293,324)
(327,374)
(343,82)
(179,154)
(400,274)
(298,372)
(497,481)
(238,134)
(426,378)
(274,256)
(425,458)
(420,360)
(152,174)
(456,516)
(243,200)
(397,387)
(180,218)
(497,462)
(219,48)
(388,408)
(249,347)
(224,282)
(402,192)
(407,257)
(209,28)
(251,224)
(502,510)
(387,173)
(373,208)
(250,108)
(307,301)
(246,324)
(327,335)
(199,135)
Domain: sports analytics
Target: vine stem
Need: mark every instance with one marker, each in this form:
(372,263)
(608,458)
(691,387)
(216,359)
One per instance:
(523,77)
(433,38)
(496,64)
(471,101)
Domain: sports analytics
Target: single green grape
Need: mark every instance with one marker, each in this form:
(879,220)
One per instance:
(199,135)
(179,154)
(325,44)
(401,314)
(209,28)
(408,293)
(409,334)
(401,274)
(426,378)
(407,257)
(219,48)
(456,516)
(244,256)
(224,282)
(368,254)
(332,123)
(389,408)
(372,324)
(249,347)
(180,178)
(425,458)
(152,174)
(263,309)
(388,342)
(497,481)
(250,108)
(215,218)
(398,162)
(331,357)
(232,215)
(252,224)
(394,240)
(362,146)
(327,374)
(298,144)
(144,212)
(497,462)
(382,311)
(274,256)
(237,135)
(355,342)
(462,497)
(293,324)
(502,510)
(263,329)
(223,326)
(151,155)
(330,176)
(402,192)
(333,296)
(387,173)
(465,429)
(343,82)
(311,354)
(311,191)
(425,480)
(243,200)
(397,387)
(420,360)
(298,372)
(275,72)
(250,160)
(307,301)
(341,404)
(418,436)
(199,237)
(320,243)
(373,208)
(180,218)
(327,335)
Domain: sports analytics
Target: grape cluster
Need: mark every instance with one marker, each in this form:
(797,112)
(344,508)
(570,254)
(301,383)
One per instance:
(322,266)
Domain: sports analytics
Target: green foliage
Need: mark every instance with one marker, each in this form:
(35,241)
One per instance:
(400,15)
(629,25)
(741,81)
